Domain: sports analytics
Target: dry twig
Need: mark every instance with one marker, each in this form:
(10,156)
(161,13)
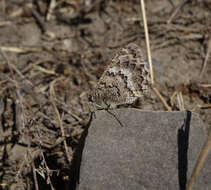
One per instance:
(199,164)
(147,40)
(19,112)
(52,94)
(35,176)
(176,11)
(42,24)
(180,101)
(206,58)
(204,106)
(66,109)
(5,23)
(162,99)
(173,97)
(205,85)
(50,9)
(150,58)
(50,72)
(20,49)
(43,169)
(39,20)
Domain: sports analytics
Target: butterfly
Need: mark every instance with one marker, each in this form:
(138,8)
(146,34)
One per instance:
(125,79)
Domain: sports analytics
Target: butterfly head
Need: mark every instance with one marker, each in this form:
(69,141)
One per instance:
(91,98)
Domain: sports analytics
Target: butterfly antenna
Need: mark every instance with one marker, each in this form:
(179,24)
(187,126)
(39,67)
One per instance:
(113,114)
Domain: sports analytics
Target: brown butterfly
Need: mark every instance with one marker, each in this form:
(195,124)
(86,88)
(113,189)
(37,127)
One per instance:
(124,81)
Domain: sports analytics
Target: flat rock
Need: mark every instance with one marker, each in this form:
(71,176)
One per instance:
(139,150)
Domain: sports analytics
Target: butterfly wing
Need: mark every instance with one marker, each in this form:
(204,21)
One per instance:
(125,79)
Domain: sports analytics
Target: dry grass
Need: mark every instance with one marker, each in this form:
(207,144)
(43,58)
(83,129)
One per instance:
(60,51)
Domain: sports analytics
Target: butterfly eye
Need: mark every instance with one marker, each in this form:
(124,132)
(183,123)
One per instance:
(91,98)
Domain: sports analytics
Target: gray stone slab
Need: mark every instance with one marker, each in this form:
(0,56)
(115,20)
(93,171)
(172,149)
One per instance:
(151,150)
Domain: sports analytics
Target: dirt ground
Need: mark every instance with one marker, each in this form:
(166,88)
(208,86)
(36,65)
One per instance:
(53,53)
